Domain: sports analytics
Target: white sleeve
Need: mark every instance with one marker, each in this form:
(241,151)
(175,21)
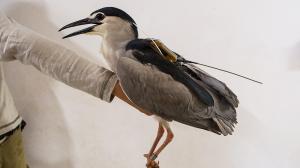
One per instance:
(18,42)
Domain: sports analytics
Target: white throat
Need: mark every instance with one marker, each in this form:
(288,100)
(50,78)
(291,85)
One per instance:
(112,48)
(115,39)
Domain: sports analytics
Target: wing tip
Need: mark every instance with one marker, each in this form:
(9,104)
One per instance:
(226,127)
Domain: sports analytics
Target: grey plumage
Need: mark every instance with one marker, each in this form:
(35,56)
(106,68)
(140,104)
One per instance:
(217,85)
(159,93)
(159,80)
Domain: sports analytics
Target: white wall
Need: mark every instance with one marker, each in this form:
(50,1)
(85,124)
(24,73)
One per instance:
(259,38)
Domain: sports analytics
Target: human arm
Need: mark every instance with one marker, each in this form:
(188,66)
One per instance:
(19,43)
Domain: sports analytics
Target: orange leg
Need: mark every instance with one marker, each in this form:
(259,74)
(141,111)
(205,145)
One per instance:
(160,133)
(151,156)
(168,139)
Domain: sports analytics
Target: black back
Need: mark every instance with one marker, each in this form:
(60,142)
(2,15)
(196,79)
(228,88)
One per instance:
(146,54)
(112,11)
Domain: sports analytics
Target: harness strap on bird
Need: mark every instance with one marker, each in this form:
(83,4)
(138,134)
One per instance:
(169,55)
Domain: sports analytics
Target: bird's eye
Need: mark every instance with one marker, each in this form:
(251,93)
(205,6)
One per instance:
(100,16)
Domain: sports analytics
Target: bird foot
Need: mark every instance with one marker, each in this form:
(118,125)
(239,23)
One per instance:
(151,162)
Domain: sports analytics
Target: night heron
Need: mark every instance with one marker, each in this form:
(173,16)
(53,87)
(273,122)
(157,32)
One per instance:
(159,80)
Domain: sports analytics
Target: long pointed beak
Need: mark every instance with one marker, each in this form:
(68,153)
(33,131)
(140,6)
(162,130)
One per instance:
(81,22)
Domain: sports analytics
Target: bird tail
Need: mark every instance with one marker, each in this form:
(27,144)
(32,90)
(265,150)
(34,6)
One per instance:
(225,126)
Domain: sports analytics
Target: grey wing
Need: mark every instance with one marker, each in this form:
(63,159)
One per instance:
(214,83)
(159,93)
(151,89)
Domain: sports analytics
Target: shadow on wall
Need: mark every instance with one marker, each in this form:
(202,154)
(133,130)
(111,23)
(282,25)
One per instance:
(46,138)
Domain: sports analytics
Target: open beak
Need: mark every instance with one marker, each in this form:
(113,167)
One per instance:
(81,22)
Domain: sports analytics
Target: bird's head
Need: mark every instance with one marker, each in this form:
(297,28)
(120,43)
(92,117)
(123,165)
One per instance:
(106,21)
